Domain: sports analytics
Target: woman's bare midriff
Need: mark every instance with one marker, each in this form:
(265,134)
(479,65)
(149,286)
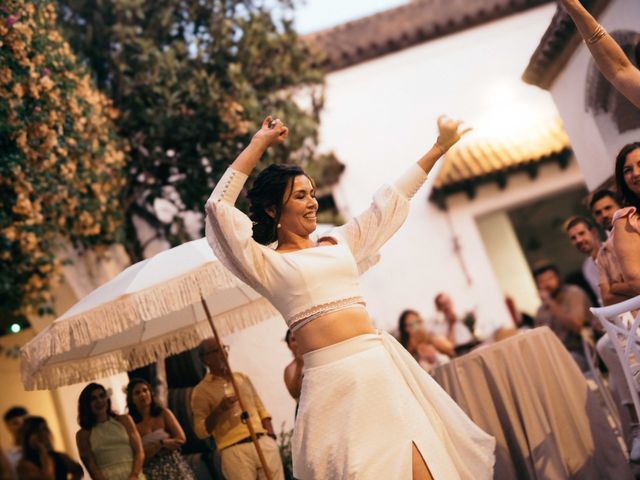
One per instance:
(333,328)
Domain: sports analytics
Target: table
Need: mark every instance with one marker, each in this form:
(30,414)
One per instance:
(530,395)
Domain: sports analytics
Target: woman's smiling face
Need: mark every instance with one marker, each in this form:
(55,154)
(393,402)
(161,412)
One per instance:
(300,207)
(631,171)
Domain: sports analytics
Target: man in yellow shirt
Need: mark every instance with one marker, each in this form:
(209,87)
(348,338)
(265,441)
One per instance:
(216,412)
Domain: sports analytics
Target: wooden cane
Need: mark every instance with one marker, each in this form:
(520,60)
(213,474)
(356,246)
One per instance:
(245,414)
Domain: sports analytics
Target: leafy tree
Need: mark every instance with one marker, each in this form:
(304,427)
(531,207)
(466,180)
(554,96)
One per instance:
(61,166)
(193,80)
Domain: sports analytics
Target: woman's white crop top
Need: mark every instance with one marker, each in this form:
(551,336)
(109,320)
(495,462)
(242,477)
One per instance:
(305,284)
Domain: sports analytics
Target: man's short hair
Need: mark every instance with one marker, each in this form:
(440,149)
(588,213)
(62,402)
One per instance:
(14,412)
(576,220)
(600,194)
(544,266)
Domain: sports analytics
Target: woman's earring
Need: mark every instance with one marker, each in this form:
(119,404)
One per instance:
(278,226)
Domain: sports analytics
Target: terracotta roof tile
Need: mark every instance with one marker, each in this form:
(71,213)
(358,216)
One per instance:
(487,160)
(406,26)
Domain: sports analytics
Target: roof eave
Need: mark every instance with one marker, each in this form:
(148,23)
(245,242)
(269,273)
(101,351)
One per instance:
(558,44)
(470,186)
(333,60)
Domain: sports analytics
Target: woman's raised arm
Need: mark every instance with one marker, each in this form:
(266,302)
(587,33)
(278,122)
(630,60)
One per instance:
(609,57)
(272,132)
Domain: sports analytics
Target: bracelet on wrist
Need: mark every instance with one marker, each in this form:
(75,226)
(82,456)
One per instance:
(597,35)
(441,148)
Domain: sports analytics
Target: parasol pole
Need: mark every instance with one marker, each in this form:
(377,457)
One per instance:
(245,414)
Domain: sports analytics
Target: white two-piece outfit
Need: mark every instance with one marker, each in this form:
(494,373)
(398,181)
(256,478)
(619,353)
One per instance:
(365,400)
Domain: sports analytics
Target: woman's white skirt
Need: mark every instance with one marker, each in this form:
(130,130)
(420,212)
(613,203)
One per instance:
(365,401)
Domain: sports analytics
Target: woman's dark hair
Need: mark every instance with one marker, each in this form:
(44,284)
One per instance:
(402,326)
(86,418)
(30,426)
(268,191)
(628,196)
(155,409)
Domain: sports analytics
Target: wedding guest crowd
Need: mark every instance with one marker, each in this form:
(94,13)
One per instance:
(612,270)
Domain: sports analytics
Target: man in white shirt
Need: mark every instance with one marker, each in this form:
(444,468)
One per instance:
(448,324)
(13,420)
(584,237)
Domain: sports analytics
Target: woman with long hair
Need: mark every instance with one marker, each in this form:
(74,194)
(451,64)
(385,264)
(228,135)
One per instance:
(626,221)
(367,409)
(428,349)
(625,259)
(408,322)
(109,444)
(162,436)
(39,461)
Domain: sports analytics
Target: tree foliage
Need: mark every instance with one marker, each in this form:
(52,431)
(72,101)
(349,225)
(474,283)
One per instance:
(61,166)
(193,81)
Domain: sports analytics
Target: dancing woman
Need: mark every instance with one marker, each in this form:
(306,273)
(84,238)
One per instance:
(367,410)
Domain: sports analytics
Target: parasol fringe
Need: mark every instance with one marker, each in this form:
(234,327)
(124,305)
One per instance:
(117,361)
(127,312)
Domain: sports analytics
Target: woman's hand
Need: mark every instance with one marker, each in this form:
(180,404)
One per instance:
(272,132)
(449,132)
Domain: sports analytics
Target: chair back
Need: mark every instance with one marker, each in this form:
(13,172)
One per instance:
(622,322)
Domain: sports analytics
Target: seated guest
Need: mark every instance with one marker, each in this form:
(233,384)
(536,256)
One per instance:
(216,412)
(109,445)
(564,309)
(293,371)
(13,420)
(584,237)
(449,324)
(411,333)
(39,461)
(162,436)
(421,346)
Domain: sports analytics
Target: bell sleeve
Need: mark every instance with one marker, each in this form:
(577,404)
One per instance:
(230,232)
(369,231)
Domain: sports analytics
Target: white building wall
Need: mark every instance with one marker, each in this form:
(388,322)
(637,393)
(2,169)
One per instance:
(594,146)
(508,260)
(380,116)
